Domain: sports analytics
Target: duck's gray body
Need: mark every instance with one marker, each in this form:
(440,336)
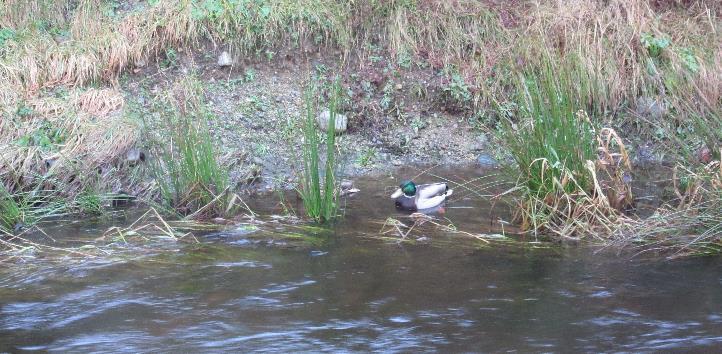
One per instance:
(427,196)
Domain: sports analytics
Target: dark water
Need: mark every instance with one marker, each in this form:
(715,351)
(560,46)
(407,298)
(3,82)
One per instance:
(352,292)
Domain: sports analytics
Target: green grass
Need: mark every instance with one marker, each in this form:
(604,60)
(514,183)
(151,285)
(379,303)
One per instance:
(11,211)
(21,210)
(319,192)
(186,169)
(553,139)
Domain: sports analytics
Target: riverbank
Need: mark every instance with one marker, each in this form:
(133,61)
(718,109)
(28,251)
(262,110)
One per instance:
(426,83)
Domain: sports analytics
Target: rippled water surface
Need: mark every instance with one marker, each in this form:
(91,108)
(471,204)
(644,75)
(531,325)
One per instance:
(353,292)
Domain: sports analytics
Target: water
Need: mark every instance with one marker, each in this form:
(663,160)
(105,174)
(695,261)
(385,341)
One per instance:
(353,292)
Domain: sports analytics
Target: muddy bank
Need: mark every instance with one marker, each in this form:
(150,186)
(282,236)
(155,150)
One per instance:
(258,106)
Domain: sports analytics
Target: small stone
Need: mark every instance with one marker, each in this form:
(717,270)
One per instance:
(340,123)
(346,184)
(644,155)
(134,155)
(704,155)
(485,160)
(399,87)
(650,107)
(50,162)
(483,139)
(351,191)
(225,59)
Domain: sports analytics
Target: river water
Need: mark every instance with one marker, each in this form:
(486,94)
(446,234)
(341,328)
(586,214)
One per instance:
(355,292)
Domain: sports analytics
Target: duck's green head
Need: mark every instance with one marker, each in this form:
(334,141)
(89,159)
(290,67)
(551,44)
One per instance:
(409,188)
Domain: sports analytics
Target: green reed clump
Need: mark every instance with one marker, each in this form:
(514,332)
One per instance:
(11,212)
(554,146)
(24,209)
(190,179)
(553,140)
(319,191)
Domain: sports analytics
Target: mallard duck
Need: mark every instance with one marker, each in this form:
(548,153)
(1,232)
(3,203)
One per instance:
(411,197)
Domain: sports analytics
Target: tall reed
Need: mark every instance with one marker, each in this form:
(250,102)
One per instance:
(320,198)
(554,139)
(188,174)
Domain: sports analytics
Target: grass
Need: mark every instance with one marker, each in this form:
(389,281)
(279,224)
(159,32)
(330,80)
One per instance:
(690,225)
(319,189)
(22,210)
(570,177)
(556,140)
(188,173)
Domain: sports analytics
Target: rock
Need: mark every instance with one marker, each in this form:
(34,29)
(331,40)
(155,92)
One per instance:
(134,156)
(704,155)
(346,184)
(225,59)
(50,162)
(644,155)
(351,191)
(399,87)
(485,160)
(650,107)
(341,121)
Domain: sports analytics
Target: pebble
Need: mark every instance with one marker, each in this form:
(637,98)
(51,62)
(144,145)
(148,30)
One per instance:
(134,155)
(346,184)
(704,155)
(650,107)
(341,121)
(225,59)
(485,160)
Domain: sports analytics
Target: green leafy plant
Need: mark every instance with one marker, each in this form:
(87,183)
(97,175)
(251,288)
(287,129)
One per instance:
(457,90)
(249,75)
(171,58)
(46,137)
(367,157)
(654,45)
(6,34)
(689,60)
(89,202)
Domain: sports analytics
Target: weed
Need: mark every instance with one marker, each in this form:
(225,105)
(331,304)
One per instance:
(89,202)
(11,212)
(249,75)
(404,60)
(457,90)
(320,198)
(387,99)
(188,174)
(261,149)
(554,150)
(375,58)
(6,34)
(654,44)
(171,59)
(367,157)
(417,124)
